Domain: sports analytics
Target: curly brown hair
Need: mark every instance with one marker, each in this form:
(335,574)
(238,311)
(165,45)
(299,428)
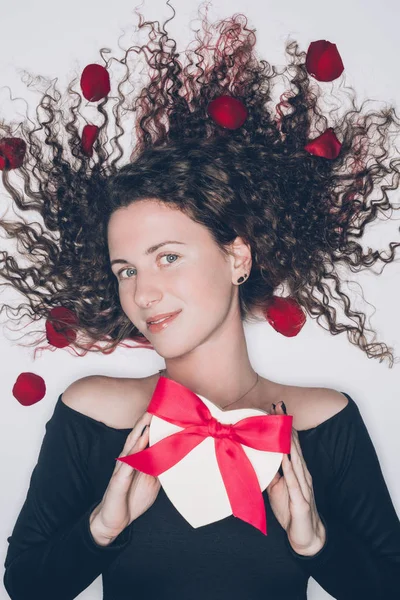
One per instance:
(301,214)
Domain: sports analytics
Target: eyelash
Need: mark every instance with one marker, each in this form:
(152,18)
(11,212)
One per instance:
(161,256)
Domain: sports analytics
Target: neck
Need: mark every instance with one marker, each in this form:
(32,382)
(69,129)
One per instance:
(245,394)
(219,368)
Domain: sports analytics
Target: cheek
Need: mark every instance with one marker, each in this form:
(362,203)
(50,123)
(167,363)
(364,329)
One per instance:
(208,288)
(126,292)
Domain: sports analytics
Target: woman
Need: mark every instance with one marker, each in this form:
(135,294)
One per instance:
(228,206)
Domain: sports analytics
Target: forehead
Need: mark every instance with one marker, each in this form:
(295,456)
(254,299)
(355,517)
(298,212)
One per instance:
(148,222)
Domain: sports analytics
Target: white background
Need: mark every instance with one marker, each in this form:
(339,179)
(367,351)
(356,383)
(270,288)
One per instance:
(58,40)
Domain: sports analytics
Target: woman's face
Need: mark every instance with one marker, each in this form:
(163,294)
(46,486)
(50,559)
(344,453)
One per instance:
(193,276)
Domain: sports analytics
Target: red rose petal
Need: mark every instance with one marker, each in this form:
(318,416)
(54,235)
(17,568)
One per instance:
(57,332)
(95,82)
(323,61)
(228,112)
(29,388)
(285,315)
(89,136)
(326,145)
(12,153)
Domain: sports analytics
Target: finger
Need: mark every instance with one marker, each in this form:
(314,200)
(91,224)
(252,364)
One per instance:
(280,409)
(299,460)
(296,440)
(300,468)
(137,431)
(273,411)
(307,499)
(306,473)
(280,472)
(136,441)
(137,446)
(293,484)
(275,480)
(127,469)
(296,458)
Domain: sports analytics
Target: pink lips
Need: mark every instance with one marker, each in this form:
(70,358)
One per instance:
(155,327)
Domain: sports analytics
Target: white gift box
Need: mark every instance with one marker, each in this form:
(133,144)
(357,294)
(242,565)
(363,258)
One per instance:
(194,485)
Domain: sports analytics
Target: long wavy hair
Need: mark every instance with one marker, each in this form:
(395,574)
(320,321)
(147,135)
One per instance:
(301,214)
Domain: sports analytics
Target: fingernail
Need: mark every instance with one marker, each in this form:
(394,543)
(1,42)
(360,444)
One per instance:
(143,430)
(284,408)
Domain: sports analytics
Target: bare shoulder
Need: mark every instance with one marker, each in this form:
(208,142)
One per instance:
(116,402)
(312,406)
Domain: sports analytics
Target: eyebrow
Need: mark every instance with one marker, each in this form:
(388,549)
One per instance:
(148,251)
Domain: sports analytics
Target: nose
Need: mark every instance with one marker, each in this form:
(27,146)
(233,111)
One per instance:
(147,290)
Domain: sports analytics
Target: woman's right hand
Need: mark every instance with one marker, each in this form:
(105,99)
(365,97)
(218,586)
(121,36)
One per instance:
(129,493)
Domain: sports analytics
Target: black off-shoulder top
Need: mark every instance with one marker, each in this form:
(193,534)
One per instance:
(53,556)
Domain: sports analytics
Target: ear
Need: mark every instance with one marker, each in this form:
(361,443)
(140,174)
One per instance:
(240,256)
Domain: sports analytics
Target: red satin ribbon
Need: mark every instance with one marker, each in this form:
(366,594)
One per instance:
(177,404)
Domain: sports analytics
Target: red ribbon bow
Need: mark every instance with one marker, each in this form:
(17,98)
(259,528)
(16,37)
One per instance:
(177,404)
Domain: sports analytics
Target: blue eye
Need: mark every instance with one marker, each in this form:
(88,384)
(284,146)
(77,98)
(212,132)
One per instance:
(132,269)
(129,269)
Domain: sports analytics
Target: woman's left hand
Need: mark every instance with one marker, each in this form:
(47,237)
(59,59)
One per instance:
(292,499)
